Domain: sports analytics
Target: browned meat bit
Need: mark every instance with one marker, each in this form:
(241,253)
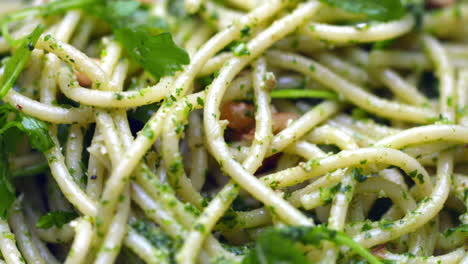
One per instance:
(281,120)
(242,122)
(439,3)
(240,116)
(82,79)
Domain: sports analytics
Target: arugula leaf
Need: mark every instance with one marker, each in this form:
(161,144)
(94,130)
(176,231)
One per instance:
(145,38)
(36,130)
(55,218)
(278,245)
(16,63)
(381,10)
(7,190)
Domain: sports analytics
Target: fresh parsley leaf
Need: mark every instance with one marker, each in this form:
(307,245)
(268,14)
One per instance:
(36,130)
(7,190)
(16,63)
(273,247)
(279,245)
(381,10)
(55,218)
(145,38)
(10,134)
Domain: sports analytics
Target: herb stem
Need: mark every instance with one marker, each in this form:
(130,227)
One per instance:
(16,63)
(299,93)
(46,9)
(31,170)
(347,241)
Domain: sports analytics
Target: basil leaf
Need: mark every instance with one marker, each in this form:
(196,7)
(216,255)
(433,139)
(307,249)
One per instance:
(55,218)
(381,10)
(16,63)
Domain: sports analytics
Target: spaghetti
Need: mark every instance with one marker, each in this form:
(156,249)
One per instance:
(254,131)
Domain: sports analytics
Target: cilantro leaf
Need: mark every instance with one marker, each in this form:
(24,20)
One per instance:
(381,10)
(55,218)
(7,190)
(145,38)
(278,245)
(16,63)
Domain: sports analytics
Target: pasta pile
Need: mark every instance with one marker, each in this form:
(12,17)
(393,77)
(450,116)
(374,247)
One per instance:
(237,131)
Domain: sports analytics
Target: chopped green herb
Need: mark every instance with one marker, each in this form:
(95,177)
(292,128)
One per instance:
(357,175)
(239,48)
(55,218)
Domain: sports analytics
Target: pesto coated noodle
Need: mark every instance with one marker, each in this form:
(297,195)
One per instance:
(237,131)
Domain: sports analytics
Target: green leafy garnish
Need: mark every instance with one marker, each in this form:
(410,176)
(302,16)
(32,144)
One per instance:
(358,175)
(381,10)
(16,63)
(145,38)
(36,130)
(280,245)
(55,218)
(7,190)
(298,93)
(12,123)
